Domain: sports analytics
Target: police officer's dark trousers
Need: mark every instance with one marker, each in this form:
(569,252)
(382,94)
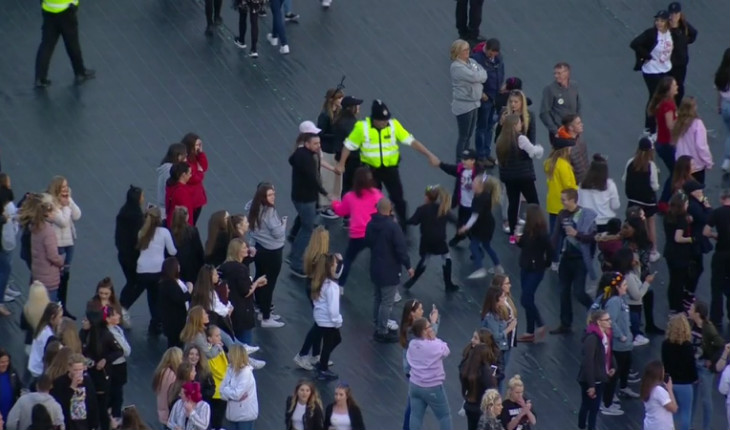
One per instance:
(63,24)
(390,177)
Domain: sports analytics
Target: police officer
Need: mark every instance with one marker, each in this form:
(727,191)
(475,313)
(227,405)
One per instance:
(59,19)
(377,138)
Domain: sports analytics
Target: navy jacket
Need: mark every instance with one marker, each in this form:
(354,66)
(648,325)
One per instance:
(388,250)
(495,71)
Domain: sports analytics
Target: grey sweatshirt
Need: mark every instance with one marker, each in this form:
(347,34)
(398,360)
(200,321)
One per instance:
(558,101)
(19,416)
(270,232)
(467,80)
(163,173)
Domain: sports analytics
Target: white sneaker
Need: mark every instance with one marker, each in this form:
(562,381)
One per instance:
(392,325)
(726,165)
(272,315)
(499,270)
(397,297)
(256,364)
(12,292)
(326,3)
(628,392)
(251,349)
(314,360)
(654,256)
(7,298)
(305,362)
(284,49)
(328,214)
(613,410)
(554,266)
(505,228)
(478,274)
(521,221)
(640,340)
(271,323)
(272,40)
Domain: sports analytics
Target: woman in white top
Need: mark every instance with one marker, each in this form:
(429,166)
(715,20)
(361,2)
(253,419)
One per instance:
(304,408)
(343,413)
(722,84)
(658,397)
(599,192)
(9,226)
(327,317)
(46,328)
(239,390)
(65,212)
(467,78)
(153,240)
(190,412)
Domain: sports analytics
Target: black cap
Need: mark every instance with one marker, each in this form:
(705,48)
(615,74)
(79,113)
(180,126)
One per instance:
(513,83)
(349,101)
(469,154)
(379,111)
(691,186)
(560,143)
(662,14)
(674,7)
(645,144)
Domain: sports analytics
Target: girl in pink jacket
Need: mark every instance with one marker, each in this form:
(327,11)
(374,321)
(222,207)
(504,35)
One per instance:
(359,205)
(690,136)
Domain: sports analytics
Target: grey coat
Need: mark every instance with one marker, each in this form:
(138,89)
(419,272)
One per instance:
(467,81)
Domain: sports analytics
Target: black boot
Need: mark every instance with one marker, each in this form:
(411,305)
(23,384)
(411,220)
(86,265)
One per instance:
(63,292)
(450,286)
(648,303)
(420,268)
(456,239)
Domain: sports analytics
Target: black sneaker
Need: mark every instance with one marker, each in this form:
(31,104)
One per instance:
(218,21)
(327,375)
(328,213)
(209,30)
(291,17)
(389,337)
(240,43)
(262,13)
(42,83)
(85,76)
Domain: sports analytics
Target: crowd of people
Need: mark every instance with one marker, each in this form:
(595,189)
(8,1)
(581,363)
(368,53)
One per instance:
(208,296)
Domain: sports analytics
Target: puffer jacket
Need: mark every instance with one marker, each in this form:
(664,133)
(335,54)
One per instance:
(63,222)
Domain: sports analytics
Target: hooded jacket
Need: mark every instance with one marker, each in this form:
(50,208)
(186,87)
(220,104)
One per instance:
(494,69)
(388,250)
(128,223)
(360,209)
(305,180)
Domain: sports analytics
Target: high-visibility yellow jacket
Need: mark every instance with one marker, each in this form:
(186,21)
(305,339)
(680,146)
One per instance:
(378,148)
(58,6)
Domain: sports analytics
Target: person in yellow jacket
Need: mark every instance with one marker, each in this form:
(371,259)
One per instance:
(560,176)
(59,19)
(377,138)
(217,365)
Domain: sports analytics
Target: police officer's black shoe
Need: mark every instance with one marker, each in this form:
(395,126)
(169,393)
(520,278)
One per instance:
(218,21)
(209,30)
(86,75)
(42,83)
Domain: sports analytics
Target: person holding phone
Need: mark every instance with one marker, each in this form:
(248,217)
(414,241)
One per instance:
(498,321)
(657,392)
(74,391)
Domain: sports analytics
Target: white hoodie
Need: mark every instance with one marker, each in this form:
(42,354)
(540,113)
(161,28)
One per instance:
(604,203)
(327,307)
(234,385)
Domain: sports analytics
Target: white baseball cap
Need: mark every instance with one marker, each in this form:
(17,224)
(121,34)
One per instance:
(309,127)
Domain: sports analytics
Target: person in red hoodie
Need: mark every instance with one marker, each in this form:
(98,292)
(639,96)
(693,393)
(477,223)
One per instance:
(359,204)
(179,192)
(198,162)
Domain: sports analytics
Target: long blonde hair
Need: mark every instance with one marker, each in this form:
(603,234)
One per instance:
(36,303)
(507,139)
(319,244)
(68,334)
(171,359)
(323,269)
(552,160)
(33,213)
(152,220)
(59,364)
(490,398)
(686,114)
(234,249)
(524,114)
(237,357)
(489,184)
(313,400)
(437,193)
(54,189)
(193,325)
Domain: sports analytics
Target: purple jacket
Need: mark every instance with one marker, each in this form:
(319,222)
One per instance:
(425,356)
(46,263)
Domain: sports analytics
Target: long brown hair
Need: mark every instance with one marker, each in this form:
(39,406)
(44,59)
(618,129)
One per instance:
(653,376)
(179,227)
(204,289)
(471,372)
(313,401)
(406,320)
(492,305)
(686,114)
(34,211)
(642,160)
(152,220)
(661,93)
(682,172)
(217,223)
(507,140)
(535,223)
(259,205)
(328,106)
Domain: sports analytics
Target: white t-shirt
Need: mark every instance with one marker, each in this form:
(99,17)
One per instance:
(661,61)
(297,417)
(340,421)
(656,416)
(466,193)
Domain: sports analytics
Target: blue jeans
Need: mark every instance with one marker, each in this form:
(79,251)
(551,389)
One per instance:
(466,123)
(667,153)
(354,247)
(277,18)
(683,393)
(435,397)
(245,336)
(635,319)
(240,425)
(407,415)
(307,215)
(485,125)
(5,268)
(53,295)
(68,254)
(725,111)
(530,280)
(475,246)
(589,407)
(704,390)
(287,6)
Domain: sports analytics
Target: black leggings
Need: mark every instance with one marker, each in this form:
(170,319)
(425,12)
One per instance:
(268,262)
(526,187)
(145,281)
(212,11)
(330,339)
(217,413)
(623,366)
(254,17)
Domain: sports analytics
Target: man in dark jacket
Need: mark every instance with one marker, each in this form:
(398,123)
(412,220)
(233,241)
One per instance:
(388,252)
(305,188)
(341,129)
(487,55)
